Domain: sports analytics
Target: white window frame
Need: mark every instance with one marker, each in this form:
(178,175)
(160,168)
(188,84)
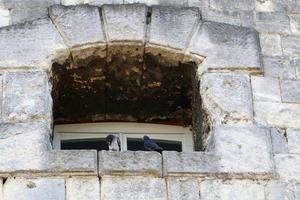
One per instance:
(124,130)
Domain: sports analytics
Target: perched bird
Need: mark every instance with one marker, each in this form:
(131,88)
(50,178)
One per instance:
(113,143)
(149,145)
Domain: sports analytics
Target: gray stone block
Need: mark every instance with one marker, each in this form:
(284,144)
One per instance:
(26,97)
(290,46)
(130,163)
(290,91)
(279,141)
(176,3)
(4,17)
(11,4)
(34,189)
(172,27)
(226,47)
(102,2)
(295,23)
(287,166)
(183,188)
(227,97)
(243,150)
(293,138)
(196,164)
(278,190)
(72,2)
(125,23)
(244,5)
(282,115)
(265,89)
(79,188)
(24,15)
(79,25)
(34,45)
(272,22)
(133,188)
(226,16)
(270,44)
(233,190)
(278,67)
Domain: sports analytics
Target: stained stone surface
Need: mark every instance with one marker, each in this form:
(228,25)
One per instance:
(293,138)
(276,190)
(133,188)
(227,97)
(79,188)
(281,115)
(21,15)
(79,25)
(271,44)
(226,47)
(290,45)
(195,164)
(130,163)
(290,91)
(183,188)
(290,162)
(279,141)
(26,96)
(34,189)
(231,190)
(242,149)
(172,27)
(33,44)
(125,23)
(265,89)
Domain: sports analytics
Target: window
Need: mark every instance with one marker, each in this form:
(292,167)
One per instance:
(92,136)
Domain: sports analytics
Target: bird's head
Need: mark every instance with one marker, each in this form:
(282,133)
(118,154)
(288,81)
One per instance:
(109,139)
(146,137)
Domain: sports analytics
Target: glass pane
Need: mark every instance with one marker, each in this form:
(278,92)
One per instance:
(95,143)
(137,144)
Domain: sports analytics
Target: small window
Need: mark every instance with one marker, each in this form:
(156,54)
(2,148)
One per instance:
(92,136)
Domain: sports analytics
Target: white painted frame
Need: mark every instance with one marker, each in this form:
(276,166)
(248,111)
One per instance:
(124,130)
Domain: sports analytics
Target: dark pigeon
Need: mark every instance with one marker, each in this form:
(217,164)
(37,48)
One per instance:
(149,145)
(113,143)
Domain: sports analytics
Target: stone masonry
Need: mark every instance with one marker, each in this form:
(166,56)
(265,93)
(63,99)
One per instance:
(247,54)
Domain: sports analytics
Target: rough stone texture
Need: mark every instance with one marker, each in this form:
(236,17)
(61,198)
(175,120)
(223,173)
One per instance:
(72,2)
(293,137)
(226,47)
(183,188)
(22,15)
(79,25)
(290,45)
(4,17)
(1,189)
(232,5)
(231,190)
(33,44)
(276,190)
(295,23)
(287,166)
(265,89)
(227,97)
(270,44)
(172,27)
(9,4)
(79,188)
(34,189)
(103,2)
(278,67)
(242,149)
(279,141)
(125,23)
(281,115)
(290,91)
(130,163)
(197,164)
(26,97)
(133,188)
(272,22)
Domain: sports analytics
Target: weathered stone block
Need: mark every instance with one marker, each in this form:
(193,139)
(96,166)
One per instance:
(26,97)
(287,166)
(172,27)
(227,17)
(125,23)
(276,190)
(231,190)
(183,188)
(24,15)
(34,44)
(102,2)
(279,141)
(133,188)
(272,22)
(231,5)
(226,47)
(196,164)
(290,45)
(227,97)
(243,150)
(79,25)
(130,163)
(293,138)
(278,67)
(176,3)
(290,91)
(72,2)
(295,23)
(4,17)
(10,4)
(265,89)
(281,115)
(34,189)
(79,188)
(270,44)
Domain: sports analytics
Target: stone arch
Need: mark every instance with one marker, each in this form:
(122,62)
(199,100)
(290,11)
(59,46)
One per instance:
(225,55)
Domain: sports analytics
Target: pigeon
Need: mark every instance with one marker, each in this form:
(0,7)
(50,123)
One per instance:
(149,145)
(113,143)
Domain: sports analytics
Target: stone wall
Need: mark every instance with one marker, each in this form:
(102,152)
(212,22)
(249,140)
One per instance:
(248,84)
